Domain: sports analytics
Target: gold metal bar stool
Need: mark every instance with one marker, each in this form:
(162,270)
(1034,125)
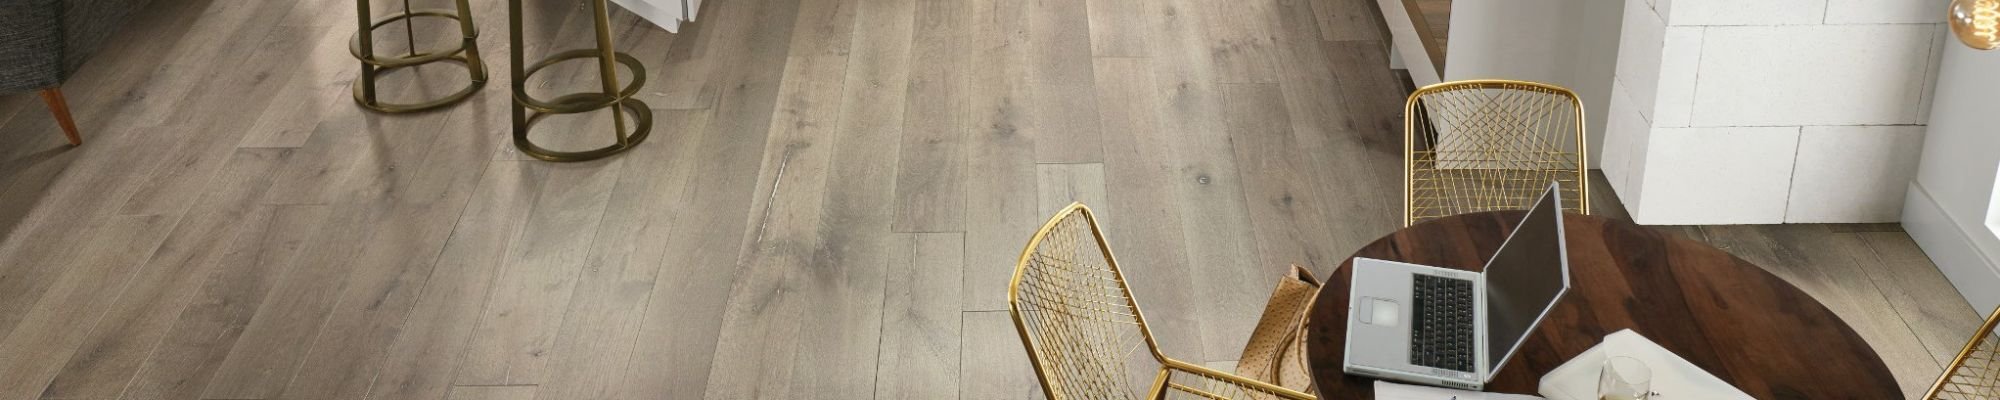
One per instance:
(528,110)
(373,66)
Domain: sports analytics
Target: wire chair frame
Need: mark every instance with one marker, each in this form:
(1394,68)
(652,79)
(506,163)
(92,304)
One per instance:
(1975,373)
(1483,145)
(1083,330)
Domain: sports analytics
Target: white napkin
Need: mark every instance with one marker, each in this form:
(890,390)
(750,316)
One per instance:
(1673,377)
(1396,391)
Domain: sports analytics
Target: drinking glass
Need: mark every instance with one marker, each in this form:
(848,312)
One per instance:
(1624,378)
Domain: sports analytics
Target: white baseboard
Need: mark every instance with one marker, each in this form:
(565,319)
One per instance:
(1952,246)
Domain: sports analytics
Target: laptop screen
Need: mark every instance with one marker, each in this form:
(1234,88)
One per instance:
(1524,279)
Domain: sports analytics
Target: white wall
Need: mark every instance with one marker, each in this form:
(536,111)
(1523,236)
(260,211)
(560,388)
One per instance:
(1953,210)
(1770,111)
(1568,43)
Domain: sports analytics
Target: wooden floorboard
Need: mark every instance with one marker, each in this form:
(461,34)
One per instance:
(387,276)
(184,361)
(1240,39)
(992,365)
(529,297)
(266,354)
(930,169)
(1348,20)
(1118,28)
(75,303)
(830,204)
(920,318)
(419,362)
(1287,215)
(678,333)
(1001,197)
(787,283)
(520,392)
(1140,207)
(1922,297)
(1061,82)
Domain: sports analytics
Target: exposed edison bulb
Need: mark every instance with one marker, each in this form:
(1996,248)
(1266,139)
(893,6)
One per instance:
(1976,22)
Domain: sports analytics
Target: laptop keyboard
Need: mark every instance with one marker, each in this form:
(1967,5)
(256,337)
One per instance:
(1441,335)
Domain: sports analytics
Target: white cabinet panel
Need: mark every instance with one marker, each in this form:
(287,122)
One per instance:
(667,14)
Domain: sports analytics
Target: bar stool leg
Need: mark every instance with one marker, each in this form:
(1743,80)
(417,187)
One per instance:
(517,73)
(470,35)
(606,67)
(528,110)
(362,45)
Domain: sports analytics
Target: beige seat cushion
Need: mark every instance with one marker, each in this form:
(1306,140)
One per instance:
(1276,353)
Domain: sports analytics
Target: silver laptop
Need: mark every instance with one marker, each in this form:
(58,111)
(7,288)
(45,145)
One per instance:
(1452,328)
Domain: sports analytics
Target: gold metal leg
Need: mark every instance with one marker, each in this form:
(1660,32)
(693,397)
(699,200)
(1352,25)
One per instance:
(527,110)
(362,45)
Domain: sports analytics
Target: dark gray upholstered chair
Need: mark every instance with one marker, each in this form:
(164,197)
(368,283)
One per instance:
(43,41)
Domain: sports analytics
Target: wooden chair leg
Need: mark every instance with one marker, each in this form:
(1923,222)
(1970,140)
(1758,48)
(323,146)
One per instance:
(54,98)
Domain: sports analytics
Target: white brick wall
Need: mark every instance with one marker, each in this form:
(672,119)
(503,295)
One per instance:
(1639,55)
(1884,11)
(1680,66)
(1812,75)
(1746,12)
(1624,153)
(1770,111)
(1840,171)
(1705,175)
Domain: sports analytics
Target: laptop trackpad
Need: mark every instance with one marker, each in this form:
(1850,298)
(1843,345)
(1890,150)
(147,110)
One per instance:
(1380,312)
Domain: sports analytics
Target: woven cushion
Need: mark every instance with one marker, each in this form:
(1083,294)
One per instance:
(31,44)
(1276,352)
(43,41)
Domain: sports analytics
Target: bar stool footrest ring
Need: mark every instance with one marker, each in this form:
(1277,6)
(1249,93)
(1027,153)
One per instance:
(642,118)
(561,106)
(354,42)
(478,81)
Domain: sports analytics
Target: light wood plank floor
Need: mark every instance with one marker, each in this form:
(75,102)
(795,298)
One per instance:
(829,207)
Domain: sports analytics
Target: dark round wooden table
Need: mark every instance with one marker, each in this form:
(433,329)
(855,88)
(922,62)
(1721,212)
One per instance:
(1728,316)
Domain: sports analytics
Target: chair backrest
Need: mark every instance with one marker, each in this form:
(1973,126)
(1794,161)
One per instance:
(1975,374)
(1076,316)
(1483,145)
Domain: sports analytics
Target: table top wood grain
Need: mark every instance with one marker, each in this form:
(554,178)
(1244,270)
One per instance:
(1721,313)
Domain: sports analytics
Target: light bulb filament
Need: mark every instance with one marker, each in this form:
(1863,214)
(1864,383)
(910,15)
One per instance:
(1986,19)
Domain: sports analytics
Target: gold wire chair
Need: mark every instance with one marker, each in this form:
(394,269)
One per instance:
(1483,145)
(1975,374)
(1083,330)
